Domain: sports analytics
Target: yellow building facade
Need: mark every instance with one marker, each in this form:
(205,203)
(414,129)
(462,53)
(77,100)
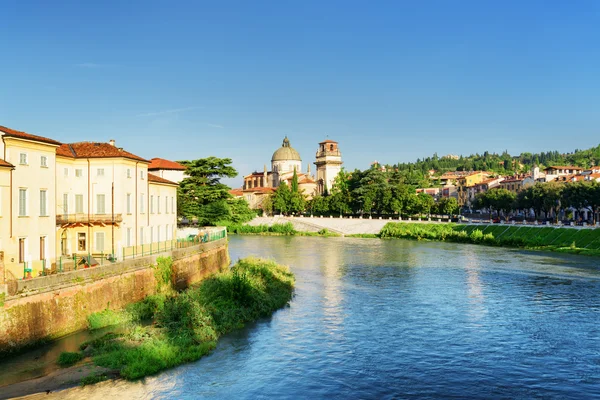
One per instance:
(28,229)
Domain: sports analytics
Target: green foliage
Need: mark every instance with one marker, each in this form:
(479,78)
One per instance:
(554,239)
(187,325)
(93,379)
(2,299)
(275,229)
(202,186)
(240,211)
(163,271)
(106,318)
(67,358)
(447,206)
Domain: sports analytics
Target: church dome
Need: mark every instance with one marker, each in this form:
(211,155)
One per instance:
(286,152)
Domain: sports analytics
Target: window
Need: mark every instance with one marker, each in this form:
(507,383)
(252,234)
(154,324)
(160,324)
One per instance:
(100,172)
(78,172)
(172,205)
(128,172)
(44,161)
(158,233)
(43,248)
(79,203)
(142,235)
(142,175)
(23,158)
(43,203)
(66,203)
(167,235)
(142,203)
(22,202)
(81,245)
(128,203)
(22,242)
(99,243)
(100,204)
(151,204)
(128,237)
(158,203)
(166,205)
(66,172)
(151,234)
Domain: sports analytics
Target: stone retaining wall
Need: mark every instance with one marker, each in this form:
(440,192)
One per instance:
(48,312)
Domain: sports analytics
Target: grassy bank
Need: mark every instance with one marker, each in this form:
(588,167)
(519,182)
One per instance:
(567,240)
(172,328)
(286,229)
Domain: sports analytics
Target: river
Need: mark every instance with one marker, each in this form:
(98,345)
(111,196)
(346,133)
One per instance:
(379,319)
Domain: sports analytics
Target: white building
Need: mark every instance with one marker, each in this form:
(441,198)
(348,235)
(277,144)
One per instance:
(329,165)
(170,170)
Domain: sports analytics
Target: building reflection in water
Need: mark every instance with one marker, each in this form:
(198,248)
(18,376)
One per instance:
(476,306)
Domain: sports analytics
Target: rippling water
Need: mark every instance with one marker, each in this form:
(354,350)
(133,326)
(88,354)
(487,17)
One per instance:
(400,319)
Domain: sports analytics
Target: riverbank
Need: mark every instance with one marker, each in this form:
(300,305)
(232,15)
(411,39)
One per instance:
(171,328)
(572,240)
(563,240)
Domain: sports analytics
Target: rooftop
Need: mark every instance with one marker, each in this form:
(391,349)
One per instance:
(5,164)
(95,150)
(161,163)
(564,167)
(27,136)
(158,179)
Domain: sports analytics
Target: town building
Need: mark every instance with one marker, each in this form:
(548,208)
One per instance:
(78,199)
(329,164)
(107,201)
(482,187)
(555,171)
(169,170)
(27,202)
(285,161)
(467,181)
(517,183)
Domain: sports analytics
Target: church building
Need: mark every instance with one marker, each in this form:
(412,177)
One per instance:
(286,160)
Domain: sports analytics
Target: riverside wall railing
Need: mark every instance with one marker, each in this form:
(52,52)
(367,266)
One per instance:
(40,268)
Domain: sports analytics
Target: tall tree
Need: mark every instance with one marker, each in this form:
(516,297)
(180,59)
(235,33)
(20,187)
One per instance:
(202,186)
(297,202)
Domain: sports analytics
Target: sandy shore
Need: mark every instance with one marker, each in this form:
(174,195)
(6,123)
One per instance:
(54,382)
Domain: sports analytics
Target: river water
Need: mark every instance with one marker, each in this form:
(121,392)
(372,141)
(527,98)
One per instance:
(379,319)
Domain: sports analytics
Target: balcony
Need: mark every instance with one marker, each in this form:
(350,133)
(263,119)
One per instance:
(334,153)
(85,219)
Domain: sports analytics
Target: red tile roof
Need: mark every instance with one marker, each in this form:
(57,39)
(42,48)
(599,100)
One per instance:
(236,192)
(564,167)
(328,141)
(161,163)
(5,164)
(158,179)
(262,190)
(27,136)
(94,150)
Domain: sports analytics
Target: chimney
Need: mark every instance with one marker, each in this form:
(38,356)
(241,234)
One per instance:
(111,142)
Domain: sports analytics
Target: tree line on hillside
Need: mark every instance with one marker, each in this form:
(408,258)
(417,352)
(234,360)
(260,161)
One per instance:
(544,199)
(374,191)
(501,163)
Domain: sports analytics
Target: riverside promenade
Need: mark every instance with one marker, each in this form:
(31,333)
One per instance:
(357,226)
(342,226)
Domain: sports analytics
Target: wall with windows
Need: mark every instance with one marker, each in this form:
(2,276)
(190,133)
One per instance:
(32,224)
(162,223)
(85,188)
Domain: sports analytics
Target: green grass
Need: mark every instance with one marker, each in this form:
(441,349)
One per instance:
(67,358)
(566,240)
(92,379)
(275,229)
(186,326)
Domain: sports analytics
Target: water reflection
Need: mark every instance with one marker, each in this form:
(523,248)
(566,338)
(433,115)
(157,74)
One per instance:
(401,319)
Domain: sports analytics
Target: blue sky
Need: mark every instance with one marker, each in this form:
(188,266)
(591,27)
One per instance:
(391,81)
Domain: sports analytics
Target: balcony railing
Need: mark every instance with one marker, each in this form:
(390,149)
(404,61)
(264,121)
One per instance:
(88,218)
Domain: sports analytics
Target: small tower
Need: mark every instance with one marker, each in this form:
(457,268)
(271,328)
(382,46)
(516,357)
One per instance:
(329,165)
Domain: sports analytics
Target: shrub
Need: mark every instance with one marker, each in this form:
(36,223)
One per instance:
(67,358)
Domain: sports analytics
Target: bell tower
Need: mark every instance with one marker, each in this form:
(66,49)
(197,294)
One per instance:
(329,165)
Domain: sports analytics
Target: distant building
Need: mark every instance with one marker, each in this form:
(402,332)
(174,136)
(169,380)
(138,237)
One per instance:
(555,171)
(284,162)
(468,181)
(170,170)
